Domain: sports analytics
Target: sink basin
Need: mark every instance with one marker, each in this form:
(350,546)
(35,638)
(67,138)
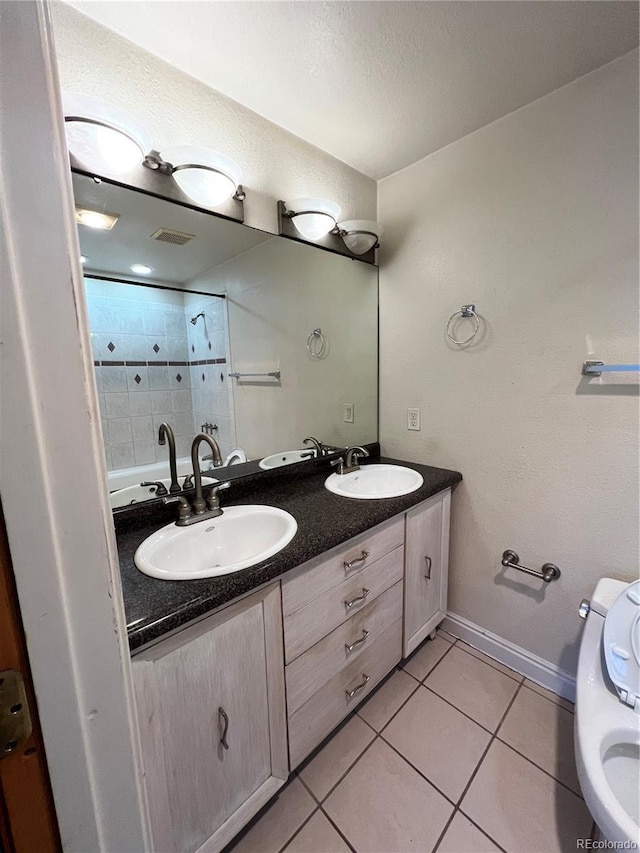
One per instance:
(134,494)
(241,537)
(375,481)
(287,457)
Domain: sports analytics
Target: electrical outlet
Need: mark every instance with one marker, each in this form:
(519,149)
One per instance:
(413,419)
(348,413)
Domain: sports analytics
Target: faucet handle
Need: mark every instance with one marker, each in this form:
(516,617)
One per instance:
(213,498)
(184,508)
(339,463)
(161,489)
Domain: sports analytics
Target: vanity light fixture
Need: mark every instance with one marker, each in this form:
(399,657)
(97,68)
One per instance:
(141,269)
(360,235)
(206,176)
(314,218)
(98,219)
(101,135)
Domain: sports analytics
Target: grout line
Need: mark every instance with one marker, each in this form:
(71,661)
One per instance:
(517,676)
(346,773)
(437,663)
(418,771)
(546,772)
(307,788)
(303,824)
(480,829)
(444,831)
(484,754)
(483,727)
(338,830)
(397,711)
(553,702)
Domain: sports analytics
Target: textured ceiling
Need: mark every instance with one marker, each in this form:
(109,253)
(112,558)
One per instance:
(378,84)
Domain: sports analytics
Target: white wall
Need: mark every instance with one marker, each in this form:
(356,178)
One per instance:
(178,109)
(535,219)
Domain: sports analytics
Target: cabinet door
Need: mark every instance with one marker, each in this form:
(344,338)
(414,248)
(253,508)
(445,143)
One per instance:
(218,682)
(426,569)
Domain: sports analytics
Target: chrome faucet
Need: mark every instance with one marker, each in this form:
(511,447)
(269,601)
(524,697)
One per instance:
(199,503)
(317,445)
(349,462)
(165,432)
(201,508)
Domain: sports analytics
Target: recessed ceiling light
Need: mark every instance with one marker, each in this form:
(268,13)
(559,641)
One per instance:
(96,219)
(141,269)
(83,259)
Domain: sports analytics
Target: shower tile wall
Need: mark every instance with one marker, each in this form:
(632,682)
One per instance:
(212,391)
(139,342)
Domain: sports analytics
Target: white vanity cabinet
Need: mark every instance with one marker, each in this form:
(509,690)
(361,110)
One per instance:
(212,722)
(426,568)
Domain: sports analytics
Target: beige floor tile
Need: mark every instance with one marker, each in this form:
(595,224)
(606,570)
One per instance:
(473,686)
(279,822)
(333,761)
(382,705)
(543,732)
(426,657)
(564,703)
(463,837)
(523,809)
(317,836)
(487,659)
(383,805)
(441,742)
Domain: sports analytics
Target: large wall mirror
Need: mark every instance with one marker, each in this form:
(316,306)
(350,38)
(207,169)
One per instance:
(209,325)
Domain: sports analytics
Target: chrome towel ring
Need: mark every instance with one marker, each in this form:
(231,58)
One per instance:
(465,311)
(317,344)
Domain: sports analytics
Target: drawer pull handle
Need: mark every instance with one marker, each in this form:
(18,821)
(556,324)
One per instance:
(351,693)
(358,599)
(352,563)
(428,562)
(351,646)
(225,726)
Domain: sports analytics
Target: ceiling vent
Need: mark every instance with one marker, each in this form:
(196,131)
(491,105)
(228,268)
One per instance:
(167,235)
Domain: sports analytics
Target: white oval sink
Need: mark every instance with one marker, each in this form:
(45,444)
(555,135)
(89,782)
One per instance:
(375,481)
(241,537)
(134,494)
(287,457)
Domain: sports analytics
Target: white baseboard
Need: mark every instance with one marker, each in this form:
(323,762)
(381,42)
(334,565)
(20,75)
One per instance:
(531,666)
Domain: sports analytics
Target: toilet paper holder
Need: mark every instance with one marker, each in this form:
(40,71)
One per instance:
(549,572)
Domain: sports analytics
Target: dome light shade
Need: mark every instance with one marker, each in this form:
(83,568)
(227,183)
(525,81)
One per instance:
(101,136)
(207,177)
(314,218)
(360,235)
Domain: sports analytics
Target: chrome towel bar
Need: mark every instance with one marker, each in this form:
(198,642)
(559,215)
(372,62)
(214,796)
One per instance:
(550,572)
(238,375)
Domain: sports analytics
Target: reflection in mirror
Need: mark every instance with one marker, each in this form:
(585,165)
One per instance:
(255,339)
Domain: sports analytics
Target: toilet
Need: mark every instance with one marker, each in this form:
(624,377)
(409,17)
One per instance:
(607,711)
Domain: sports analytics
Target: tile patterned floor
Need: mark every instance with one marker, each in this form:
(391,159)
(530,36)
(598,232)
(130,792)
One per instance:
(453,753)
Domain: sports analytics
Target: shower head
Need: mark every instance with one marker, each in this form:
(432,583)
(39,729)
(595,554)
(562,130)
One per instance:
(194,320)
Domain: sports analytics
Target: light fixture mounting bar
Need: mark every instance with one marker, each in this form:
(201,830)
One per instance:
(332,242)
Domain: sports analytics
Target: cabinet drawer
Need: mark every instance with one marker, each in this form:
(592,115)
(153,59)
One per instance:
(320,714)
(321,615)
(315,577)
(308,673)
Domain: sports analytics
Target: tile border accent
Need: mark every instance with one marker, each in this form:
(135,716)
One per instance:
(531,666)
(159,363)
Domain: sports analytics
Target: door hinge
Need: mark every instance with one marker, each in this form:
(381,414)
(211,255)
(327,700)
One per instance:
(15,719)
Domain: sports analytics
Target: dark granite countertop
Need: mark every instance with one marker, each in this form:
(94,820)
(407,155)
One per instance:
(157,607)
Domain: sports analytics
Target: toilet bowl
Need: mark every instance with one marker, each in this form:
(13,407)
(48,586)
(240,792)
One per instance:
(607,711)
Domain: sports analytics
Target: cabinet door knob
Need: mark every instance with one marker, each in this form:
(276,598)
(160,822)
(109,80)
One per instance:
(351,693)
(351,563)
(351,646)
(428,562)
(358,599)
(225,726)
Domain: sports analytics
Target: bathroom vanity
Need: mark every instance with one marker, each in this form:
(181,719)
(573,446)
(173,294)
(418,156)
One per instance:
(239,678)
